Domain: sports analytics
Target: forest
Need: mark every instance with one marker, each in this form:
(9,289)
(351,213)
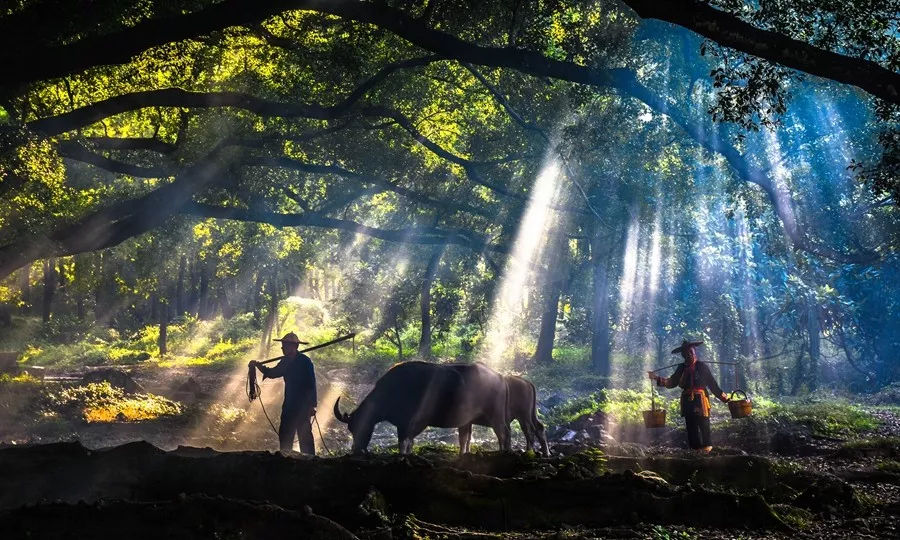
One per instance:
(559,190)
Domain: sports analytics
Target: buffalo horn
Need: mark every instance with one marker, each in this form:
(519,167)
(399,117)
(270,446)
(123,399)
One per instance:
(342,417)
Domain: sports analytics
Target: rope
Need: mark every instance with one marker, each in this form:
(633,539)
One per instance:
(322,437)
(253,389)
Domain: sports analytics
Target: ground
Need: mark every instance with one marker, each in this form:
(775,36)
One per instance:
(816,469)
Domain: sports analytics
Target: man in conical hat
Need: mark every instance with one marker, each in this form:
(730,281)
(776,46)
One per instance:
(299,394)
(694,377)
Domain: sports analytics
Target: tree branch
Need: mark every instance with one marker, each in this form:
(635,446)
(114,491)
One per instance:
(411,235)
(290,163)
(29,62)
(730,31)
(74,150)
(131,143)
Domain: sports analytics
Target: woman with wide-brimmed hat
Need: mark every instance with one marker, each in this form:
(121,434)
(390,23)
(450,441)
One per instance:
(694,377)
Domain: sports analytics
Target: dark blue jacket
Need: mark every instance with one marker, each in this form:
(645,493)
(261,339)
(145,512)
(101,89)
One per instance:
(299,381)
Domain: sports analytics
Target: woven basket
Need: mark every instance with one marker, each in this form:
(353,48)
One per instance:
(740,408)
(655,418)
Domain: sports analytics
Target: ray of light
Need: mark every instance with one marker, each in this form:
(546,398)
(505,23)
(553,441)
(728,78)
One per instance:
(531,239)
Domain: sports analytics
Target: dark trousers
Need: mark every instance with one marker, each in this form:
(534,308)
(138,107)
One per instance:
(299,422)
(697,430)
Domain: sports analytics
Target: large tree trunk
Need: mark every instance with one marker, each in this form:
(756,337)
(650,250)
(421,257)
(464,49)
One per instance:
(425,301)
(600,348)
(543,354)
(49,289)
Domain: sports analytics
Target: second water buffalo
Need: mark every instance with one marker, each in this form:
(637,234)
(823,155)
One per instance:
(522,406)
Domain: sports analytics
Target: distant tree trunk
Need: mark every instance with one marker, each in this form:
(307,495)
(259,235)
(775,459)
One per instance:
(98,289)
(179,287)
(154,307)
(50,280)
(25,285)
(798,373)
(193,298)
(660,350)
(813,329)
(258,299)
(425,301)
(726,377)
(162,312)
(600,349)
(271,316)
(399,341)
(203,294)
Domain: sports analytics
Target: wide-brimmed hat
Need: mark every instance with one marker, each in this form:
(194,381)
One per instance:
(685,344)
(291,337)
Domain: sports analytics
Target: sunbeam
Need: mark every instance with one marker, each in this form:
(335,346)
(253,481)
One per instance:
(531,237)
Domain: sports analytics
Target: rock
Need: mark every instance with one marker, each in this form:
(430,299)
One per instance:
(597,433)
(115,377)
(190,388)
(829,494)
(793,443)
(568,436)
(553,400)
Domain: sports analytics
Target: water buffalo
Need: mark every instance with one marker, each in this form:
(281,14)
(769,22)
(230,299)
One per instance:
(522,406)
(414,395)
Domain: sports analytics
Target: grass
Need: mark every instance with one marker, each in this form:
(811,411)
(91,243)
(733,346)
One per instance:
(889,465)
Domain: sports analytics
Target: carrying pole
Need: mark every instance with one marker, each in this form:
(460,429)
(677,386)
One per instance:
(314,347)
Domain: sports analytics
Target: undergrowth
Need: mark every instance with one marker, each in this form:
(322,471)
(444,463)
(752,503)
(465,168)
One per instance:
(102,402)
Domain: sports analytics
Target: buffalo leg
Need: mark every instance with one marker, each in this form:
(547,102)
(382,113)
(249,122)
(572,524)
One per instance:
(465,438)
(404,440)
(503,437)
(541,436)
(528,431)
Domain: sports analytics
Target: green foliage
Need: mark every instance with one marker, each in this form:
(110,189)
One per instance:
(621,405)
(102,402)
(832,417)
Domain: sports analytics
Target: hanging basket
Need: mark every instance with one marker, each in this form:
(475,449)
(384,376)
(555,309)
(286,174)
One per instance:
(655,418)
(740,408)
